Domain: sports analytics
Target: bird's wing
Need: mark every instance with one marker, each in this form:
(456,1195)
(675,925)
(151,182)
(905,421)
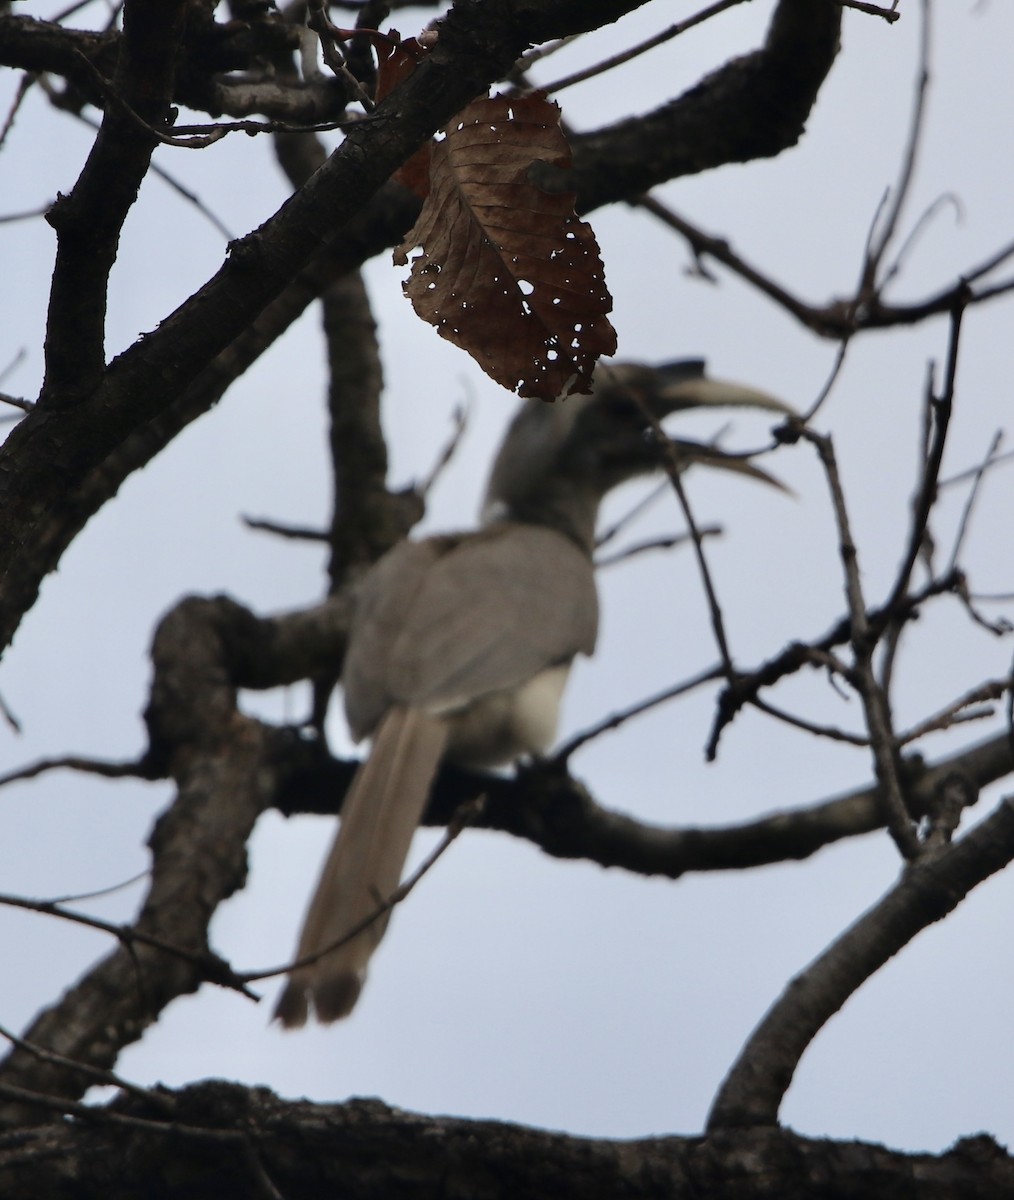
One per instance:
(443,621)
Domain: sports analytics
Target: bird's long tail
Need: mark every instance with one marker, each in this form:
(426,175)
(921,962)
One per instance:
(381,812)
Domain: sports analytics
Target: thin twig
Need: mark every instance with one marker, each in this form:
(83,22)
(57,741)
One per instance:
(890,15)
(19,357)
(798,655)
(697,537)
(973,494)
(831,732)
(131,769)
(9,716)
(296,533)
(99,893)
(334,55)
(632,513)
(463,817)
(459,422)
(971,472)
(211,967)
(917,230)
(674,471)
(70,10)
(174,183)
(24,86)
(200,137)
(994,689)
(97,1074)
(812,316)
(869,284)
(832,379)
(999,628)
(16,401)
(838,318)
(659,543)
(616,719)
(625,56)
(926,496)
(863,640)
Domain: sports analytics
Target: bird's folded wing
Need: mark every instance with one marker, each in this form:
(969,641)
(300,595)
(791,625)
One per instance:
(445,620)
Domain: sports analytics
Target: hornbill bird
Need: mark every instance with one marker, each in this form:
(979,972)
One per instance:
(461,644)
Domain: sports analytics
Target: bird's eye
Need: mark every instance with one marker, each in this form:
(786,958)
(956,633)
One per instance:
(623,407)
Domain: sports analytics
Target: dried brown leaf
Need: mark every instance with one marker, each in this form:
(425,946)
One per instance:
(507,270)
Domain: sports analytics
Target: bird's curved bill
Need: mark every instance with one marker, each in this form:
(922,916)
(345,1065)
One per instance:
(690,453)
(719,393)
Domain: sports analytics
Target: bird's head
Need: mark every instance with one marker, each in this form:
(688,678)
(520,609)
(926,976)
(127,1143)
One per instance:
(559,460)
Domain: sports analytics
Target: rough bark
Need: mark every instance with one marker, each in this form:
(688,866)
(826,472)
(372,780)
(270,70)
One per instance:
(218,1141)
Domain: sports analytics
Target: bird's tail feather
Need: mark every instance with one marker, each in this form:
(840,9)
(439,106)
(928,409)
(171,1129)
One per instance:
(382,809)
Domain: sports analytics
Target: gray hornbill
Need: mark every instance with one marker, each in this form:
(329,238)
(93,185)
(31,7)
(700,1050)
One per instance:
(461,644)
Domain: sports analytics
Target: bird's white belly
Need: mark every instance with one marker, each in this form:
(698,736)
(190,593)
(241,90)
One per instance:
(502,726)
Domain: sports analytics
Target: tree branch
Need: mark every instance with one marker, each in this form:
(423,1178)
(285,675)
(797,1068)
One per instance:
(927,891)
(88,220)
(367,1149)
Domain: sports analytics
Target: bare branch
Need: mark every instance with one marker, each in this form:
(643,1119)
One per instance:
(926,892)
(636,549)
(869,284)
(210,966)
(874,10)
(625,56)
(992,690)
(459,423)
(616,719)
(875,703)
(106,1078)
(831,732)
(839,318)
(295,533)
(926,496)
(88,220)
(130,769)
(992,457)
(798,655)
(674,470)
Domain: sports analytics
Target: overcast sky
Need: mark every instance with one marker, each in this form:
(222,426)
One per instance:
(512,985)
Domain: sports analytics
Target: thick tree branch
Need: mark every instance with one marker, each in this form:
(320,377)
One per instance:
(222,765)
(557,814)
(88,220)
(74,54)
(224,1142)
(753,107)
